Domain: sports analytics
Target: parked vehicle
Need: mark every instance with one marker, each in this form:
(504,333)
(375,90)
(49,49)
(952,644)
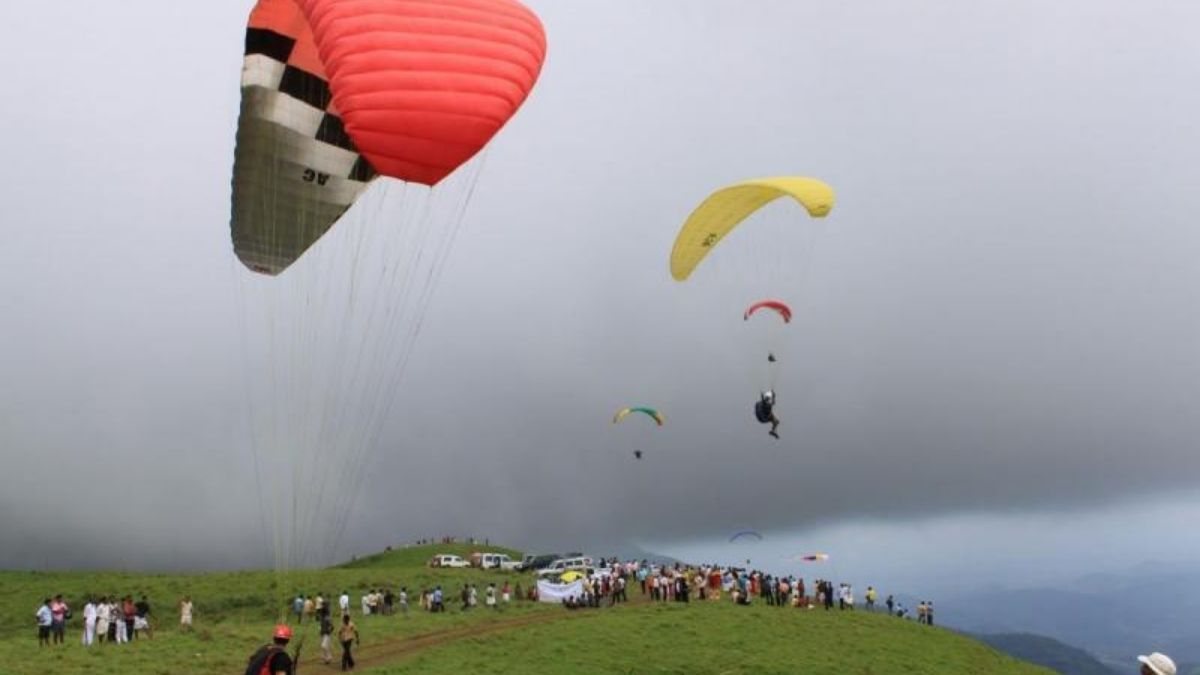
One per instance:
(580,564)
(493,561)
(447,560)
(532,563)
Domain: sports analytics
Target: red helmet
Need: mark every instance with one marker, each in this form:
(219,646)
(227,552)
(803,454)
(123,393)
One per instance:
(283,632)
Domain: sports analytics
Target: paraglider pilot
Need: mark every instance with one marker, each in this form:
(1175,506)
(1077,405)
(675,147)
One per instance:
(764,411)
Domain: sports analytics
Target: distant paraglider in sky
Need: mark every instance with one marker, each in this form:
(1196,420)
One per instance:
(747,535)
(777,306)
(726,208)
(649,412)
(643,413)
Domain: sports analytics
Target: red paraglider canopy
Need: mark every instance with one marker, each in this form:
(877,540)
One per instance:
(777,305)
(423,86)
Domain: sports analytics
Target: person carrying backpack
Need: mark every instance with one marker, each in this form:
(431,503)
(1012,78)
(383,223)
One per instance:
(273,659)
(764,412)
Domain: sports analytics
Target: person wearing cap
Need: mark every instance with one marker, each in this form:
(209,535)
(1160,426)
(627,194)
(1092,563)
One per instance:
(273,659)
(1157,664)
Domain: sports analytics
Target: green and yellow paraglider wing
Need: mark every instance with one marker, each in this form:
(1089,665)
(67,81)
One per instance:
(649,412)
(724,209)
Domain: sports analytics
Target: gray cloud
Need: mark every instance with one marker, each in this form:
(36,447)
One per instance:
(997,316)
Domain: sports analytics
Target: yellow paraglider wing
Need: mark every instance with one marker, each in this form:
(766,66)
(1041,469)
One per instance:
(724,209)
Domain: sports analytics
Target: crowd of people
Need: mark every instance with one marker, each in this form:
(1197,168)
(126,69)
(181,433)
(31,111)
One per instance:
(606,583)
(107,619)
(119,620)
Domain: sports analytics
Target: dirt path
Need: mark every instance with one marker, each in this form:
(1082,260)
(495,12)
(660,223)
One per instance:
(392,651)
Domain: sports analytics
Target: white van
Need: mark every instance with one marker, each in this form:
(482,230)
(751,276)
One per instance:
(580,564)
(447,560)
(493,561)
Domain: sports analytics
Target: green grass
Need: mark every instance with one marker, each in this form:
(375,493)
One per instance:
(719,638)
(234,613)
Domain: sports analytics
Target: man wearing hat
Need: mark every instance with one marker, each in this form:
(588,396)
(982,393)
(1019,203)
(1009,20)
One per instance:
(273,659)
(1157,664)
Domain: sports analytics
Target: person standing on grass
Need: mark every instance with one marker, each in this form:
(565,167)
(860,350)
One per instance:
(103,612)
(58,625)
(326,637)
(142,620)
(348,635)
(185,614)
(404,600)
(117,617)
(45,619)
(344,603)
(129,611)
(89,623)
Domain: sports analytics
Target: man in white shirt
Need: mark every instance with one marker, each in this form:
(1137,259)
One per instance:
(344,603)
(89,623)
(44,620)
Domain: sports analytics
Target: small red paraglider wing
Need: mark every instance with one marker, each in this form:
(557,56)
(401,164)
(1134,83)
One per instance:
(776,305)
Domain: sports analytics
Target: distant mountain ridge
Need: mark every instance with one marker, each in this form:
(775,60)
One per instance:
(1048,652)
(1113,616)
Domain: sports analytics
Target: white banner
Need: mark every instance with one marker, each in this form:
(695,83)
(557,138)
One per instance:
(550,592)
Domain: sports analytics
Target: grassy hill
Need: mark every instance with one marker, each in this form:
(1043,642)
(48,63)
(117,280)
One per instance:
(233,615)
(719,638)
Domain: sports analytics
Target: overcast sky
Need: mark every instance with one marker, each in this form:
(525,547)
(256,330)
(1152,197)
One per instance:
(996,336)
